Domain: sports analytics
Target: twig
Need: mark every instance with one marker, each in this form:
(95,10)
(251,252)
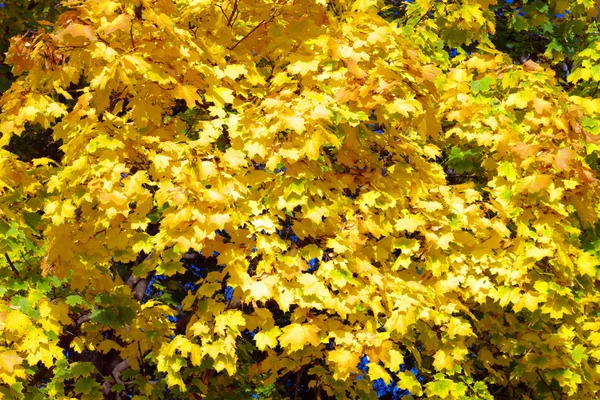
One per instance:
(537,371)
(230,20)
(131,34)
(102,39)
(25,259)
(596,90)
(191,125)
(272,64)
(193,28)
(252,31)
(142,366)
(12,266)
(223,11)
(298,376)
(423,16)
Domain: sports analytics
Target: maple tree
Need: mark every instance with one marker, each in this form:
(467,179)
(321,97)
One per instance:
(271,199)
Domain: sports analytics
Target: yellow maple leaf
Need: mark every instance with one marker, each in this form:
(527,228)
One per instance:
(267,338)
(587,263)
(410,223)
(19,322)
(529,301)
(59,211)
(295,123)
(345,362)
(220,95)
(538,253)
(409,382)
(458,327)
(295,336)
(187,93)
(363,5)
(376,371)
(206,169)
(229,321)
(443,361)
(312,147)
(535,183)
(233,71)
(74,30)
(234,158)
(9,360)
(264,222)
(402,107)
(303,64)
(316,213)
(259,291)
(107,345)
(196,354)
(393,359)
(77,345)
(56,110)
(254,148)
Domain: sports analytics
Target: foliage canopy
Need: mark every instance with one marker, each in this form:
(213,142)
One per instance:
(299,199)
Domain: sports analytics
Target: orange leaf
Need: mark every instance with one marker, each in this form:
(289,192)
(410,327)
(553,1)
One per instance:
(77,31)
(188,93)
(563,159)
(8,361)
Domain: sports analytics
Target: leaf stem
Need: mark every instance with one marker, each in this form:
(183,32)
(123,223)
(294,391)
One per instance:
(192,123)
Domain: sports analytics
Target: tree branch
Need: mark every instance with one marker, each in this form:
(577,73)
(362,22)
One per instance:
(84,318)
(12,266)
(233,12)
(140,287)
(192,256)
(119,368)
(116,374)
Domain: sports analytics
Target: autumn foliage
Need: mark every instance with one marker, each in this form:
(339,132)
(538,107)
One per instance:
(298,199)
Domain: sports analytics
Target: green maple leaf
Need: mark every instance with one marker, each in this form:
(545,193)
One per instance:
(441,388)
(74,300)
(482,85)
(85,385)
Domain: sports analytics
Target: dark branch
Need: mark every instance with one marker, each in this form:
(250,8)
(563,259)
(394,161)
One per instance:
(12,266)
